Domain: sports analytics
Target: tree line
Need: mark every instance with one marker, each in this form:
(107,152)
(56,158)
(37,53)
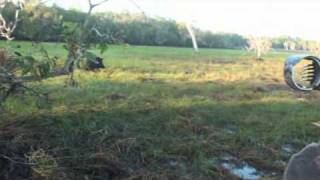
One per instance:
(49,23)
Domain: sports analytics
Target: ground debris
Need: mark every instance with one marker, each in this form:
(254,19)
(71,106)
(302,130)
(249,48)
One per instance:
(13,163)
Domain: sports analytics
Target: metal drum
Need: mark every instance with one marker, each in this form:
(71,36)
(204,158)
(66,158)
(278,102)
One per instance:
(302,72)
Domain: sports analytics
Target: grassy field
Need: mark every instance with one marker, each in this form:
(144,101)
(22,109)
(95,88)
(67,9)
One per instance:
(158,113)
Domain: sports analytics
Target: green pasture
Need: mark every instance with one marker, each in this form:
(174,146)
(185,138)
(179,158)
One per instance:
(160,113)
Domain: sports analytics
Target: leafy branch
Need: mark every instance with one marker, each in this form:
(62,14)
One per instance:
(77,40)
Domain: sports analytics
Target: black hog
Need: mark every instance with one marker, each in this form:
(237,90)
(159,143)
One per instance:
(95,64)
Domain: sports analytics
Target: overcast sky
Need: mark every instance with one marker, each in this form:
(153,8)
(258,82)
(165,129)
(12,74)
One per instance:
(256,17)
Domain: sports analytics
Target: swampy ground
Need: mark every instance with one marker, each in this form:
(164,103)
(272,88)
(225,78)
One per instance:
(158,113)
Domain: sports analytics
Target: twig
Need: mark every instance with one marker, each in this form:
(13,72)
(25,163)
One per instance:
(98,32)
(317,124)
(96,4)
(16,162)
(138,7)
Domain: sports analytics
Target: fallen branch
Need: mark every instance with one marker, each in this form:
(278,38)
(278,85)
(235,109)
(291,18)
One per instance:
(14,84)
(16,162)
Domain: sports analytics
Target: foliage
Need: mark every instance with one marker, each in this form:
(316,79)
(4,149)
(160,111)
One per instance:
(42,23)
(221,40)
(15,67)
(137,29)
(45,23)
(48,24)
(78,41)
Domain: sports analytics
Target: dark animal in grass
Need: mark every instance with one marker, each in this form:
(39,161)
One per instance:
(95,64)
(91,65)
(116,96)
(304,165)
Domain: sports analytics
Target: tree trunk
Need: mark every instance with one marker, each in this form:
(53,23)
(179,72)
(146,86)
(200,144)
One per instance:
(68,65)
(258,53)
(193,38)
(84,33)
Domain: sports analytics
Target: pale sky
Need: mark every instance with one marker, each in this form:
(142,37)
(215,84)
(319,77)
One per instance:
(247,17)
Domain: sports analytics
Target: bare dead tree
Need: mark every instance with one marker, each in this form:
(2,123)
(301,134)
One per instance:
(7,28)
(304,45)
(292,45)
(188,26)
(286,45)
(260,45)
(193,37)
(289,45)
(93,5)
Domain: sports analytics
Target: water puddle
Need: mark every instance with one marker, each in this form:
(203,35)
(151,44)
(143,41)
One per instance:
(240,168)
(287,148)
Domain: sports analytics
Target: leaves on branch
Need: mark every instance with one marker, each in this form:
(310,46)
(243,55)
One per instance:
(14,66)
(103,47)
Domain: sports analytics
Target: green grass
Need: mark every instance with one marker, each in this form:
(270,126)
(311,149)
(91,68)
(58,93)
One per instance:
(174,123)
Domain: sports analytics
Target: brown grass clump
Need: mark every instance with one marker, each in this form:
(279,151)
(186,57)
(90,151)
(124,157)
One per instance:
(4,57)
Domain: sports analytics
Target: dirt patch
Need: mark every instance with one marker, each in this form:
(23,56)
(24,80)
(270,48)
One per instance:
(277,86)
(271,87)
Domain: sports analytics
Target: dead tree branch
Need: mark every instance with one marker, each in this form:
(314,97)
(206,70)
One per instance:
(193,37)
(260,45)
(7,28)
(93,5)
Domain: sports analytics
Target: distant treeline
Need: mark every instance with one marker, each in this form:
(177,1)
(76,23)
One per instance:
(51,23)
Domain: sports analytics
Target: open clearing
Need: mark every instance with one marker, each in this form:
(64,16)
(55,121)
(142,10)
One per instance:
(158,113)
